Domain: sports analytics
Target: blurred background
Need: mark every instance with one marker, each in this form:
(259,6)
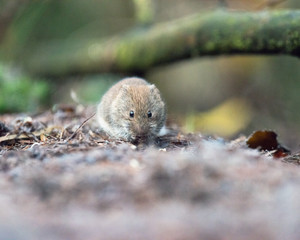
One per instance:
(224,96)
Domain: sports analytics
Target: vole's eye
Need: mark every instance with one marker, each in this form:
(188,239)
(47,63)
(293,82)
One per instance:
(131,114)
(149,114)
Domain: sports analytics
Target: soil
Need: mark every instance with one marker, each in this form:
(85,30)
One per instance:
(64,180)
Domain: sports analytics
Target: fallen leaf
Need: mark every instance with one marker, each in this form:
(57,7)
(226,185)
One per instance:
(267,141)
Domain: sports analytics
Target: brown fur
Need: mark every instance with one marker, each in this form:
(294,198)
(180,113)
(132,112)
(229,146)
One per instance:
(132,94)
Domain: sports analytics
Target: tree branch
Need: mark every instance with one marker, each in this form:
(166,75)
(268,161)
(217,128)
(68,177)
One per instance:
(214,33)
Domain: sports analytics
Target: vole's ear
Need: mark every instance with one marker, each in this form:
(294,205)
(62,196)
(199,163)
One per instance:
(125,88)
(152,88)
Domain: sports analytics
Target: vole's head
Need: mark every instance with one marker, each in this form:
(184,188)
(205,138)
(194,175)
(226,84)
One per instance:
(140,112)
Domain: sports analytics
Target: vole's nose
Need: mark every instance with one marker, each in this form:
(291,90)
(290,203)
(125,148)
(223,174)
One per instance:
(141,139)
(140,135)
(141,131)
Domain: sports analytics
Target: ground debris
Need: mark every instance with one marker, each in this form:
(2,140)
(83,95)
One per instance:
(60,185)
(267,141)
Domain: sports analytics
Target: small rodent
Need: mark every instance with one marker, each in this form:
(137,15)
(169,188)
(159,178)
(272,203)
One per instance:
(132,110)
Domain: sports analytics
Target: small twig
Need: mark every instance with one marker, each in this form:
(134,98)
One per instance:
(81,125)
(269,3)
(23,135)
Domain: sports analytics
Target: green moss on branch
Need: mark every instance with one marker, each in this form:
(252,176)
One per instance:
(214,33)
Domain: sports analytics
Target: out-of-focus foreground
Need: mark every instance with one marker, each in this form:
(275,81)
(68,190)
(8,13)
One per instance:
(88,187)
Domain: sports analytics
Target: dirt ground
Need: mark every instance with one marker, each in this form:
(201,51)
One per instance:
(60,180)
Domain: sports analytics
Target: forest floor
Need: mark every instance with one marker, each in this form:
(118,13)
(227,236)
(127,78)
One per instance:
(61,180)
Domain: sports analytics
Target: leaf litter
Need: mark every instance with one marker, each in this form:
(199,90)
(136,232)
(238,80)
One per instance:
(62,178)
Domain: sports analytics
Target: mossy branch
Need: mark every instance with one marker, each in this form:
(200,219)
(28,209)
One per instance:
(214,33)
